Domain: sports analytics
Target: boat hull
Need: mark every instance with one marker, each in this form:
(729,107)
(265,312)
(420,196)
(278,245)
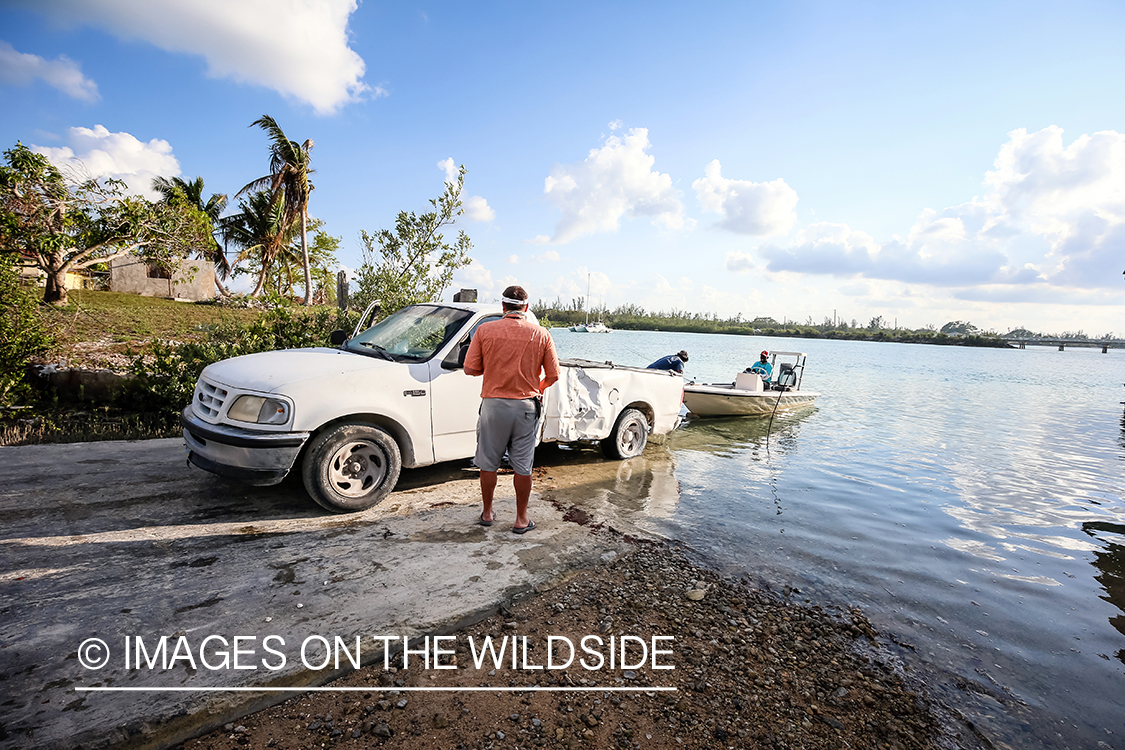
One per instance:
(724,400)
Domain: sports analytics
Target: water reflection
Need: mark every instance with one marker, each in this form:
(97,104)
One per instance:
(628,495)
(950,492)
(732,436)
(1110,562)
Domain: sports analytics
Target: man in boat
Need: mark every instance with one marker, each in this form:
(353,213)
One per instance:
(762,367)
(518,361)
(671,362)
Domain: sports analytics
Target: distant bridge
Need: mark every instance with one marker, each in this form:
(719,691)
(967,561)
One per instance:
(1061,343)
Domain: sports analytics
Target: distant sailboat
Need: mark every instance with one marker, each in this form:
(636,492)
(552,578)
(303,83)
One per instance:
(589,327)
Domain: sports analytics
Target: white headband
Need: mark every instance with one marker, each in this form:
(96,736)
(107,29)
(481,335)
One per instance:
(510,301)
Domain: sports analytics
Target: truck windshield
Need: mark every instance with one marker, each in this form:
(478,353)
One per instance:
(412,334)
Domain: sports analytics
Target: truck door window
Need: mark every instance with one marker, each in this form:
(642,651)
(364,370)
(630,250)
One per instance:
(412,334)
(455,358)
(479,323)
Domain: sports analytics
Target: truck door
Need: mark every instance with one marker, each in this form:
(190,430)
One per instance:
(455,401)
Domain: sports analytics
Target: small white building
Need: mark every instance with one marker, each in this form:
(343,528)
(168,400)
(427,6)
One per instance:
(192,279)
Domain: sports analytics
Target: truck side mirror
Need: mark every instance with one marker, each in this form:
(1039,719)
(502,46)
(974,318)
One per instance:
(455,360)
(338,337)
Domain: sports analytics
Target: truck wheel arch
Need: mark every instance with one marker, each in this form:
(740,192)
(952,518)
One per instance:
(643,408)
(396,430)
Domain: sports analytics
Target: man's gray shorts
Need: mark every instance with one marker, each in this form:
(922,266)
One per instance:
(507,424)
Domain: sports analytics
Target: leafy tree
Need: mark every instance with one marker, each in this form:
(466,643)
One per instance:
(179,191)
(876,323)
(414,263)
(258,229)
(290,187)
(960,328)
(323,264)
(62,224)
(22,333)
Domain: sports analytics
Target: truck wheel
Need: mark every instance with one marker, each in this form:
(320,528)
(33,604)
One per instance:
(351,467)
(629,436)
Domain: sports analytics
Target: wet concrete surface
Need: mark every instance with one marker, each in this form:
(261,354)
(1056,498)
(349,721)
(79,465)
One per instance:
(120,541)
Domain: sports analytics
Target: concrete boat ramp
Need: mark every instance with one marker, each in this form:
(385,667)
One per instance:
(107,544)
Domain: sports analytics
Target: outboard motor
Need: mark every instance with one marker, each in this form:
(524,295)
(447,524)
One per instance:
(786,377)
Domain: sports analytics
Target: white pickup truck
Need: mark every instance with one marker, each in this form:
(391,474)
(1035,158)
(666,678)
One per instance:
(394,395)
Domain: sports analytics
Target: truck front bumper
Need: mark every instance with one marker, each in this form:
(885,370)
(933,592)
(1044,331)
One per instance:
(261,458)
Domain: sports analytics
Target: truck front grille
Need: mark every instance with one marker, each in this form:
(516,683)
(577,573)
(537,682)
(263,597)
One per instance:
(209,399)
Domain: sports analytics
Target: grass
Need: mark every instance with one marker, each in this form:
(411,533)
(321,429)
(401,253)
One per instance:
(93,315)
(107,330)
(94,324)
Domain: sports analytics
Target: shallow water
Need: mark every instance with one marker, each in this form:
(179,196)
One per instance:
(969,500)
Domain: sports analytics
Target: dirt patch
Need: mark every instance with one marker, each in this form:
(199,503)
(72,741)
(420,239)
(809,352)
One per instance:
(751,670)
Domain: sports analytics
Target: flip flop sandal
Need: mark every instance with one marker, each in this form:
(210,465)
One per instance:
(483,522)
(525,529)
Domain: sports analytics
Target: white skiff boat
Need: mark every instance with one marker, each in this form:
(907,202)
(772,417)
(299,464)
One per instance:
(749,395)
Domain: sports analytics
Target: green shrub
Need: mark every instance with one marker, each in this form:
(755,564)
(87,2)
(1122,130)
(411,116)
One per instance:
(165,374)
(23,334)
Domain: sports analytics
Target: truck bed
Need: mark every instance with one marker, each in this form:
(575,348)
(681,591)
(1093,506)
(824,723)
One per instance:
(587,400)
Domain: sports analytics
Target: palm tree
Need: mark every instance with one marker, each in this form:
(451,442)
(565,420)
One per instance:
(177,191)
(289,184)
(258,229)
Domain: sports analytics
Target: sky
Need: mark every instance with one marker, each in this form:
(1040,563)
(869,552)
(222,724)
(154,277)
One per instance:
(799,160)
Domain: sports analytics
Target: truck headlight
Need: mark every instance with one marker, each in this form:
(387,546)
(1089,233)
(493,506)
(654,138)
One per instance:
(259,410)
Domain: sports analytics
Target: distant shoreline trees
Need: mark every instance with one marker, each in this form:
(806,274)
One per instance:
(634,317)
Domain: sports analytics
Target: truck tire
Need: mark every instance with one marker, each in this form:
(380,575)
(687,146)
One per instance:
(629,436)
(351,467)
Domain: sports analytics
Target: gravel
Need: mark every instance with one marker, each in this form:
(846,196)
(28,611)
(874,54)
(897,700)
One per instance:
(751,671)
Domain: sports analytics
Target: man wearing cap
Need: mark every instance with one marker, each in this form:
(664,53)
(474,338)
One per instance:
(671,362)
(518,361)
(762,367)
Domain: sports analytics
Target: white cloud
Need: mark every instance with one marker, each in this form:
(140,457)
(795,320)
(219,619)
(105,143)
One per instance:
(450,168)
(295,47)
(938,253)
(548,257)
(22,69)
(1071,196)
(740,262)
(614,181)
(754,208)
(1053,214)
(474,276)
(476,207)
(100,153)
(513,259)
(539,239)
(940,230)
(578,282)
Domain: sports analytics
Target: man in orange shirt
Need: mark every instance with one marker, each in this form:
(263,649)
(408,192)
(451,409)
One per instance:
(511,354)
